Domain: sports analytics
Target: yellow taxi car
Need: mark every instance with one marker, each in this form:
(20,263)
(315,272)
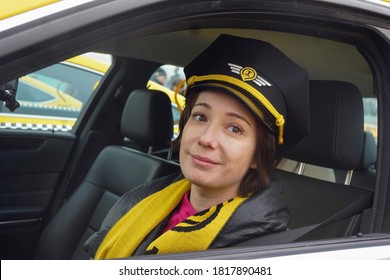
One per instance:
(9,8)
(46,102)
(37,97)
(50,102)
(53,97)
(345,49)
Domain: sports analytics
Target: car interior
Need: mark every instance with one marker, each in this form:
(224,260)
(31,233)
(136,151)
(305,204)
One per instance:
(116,170)
(123,135)
(336,142)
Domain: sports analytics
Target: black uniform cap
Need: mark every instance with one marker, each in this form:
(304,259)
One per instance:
(274,87)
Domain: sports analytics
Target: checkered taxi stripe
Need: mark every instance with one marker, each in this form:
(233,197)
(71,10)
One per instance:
(34,126)
(46,107)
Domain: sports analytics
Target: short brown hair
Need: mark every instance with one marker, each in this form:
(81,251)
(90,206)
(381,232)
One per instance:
(255,179)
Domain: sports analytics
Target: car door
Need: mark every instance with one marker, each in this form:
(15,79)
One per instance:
(37,141)
(352,22)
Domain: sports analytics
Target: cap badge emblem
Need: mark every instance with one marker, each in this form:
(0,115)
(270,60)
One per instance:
(249,74)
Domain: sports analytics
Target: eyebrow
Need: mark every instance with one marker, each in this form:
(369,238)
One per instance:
(239,117)
(230,114)
(207,106)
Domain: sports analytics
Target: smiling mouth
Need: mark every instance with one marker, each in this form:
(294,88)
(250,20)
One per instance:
(203,161)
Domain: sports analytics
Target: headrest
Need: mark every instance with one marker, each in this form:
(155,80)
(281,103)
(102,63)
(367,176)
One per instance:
(147,118)
(336,138)
(368,158)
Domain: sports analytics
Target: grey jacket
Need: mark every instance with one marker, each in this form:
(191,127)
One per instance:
(264,212)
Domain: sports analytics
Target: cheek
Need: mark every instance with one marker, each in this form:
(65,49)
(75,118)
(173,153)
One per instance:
(190,132)
(185,140)
(185,136)
(248,157)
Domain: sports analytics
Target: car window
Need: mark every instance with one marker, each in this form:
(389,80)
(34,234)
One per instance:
(66,78)
(370,106)
(32,93)
(53,97)
(166,79)
(175,112)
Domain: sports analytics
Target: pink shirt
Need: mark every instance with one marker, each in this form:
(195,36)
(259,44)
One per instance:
(181,213)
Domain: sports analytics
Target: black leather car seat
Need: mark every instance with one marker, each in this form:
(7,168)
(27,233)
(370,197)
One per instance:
(146,119)
(335,141)
(365,173)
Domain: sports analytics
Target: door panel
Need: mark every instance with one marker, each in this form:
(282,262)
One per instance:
(31,166)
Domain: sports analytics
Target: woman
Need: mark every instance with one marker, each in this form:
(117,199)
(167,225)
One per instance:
(233,122)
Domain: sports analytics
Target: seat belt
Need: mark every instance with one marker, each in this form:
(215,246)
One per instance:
(292,235)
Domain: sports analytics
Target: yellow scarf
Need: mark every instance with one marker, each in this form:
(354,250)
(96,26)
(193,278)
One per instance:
(195,233)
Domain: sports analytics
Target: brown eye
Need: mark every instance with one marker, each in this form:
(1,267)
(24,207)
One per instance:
(235,129)
(199,117)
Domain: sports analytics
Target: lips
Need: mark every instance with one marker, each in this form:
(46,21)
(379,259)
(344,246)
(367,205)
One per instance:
(203,161)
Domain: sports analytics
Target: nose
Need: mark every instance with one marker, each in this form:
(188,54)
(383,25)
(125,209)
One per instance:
(209,137)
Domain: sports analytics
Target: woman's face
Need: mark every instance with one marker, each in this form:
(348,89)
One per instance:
(218,143)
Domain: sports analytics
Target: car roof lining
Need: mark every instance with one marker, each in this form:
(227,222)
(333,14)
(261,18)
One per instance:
(338,61)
